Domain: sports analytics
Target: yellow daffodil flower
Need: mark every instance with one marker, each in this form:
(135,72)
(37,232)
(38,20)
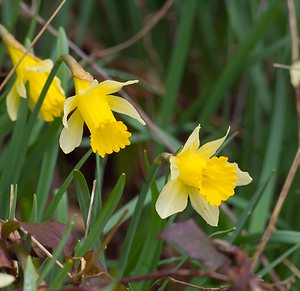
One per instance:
(205,179)
(35,72)
(93,104)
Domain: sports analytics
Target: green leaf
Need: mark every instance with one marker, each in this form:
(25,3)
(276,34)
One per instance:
(47,267)
(135,220)
(103,216)
(83,194)
(58,196)
(29,276)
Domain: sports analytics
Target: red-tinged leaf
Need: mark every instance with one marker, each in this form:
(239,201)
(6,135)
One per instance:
(49,234)
(5,260)
(195,243)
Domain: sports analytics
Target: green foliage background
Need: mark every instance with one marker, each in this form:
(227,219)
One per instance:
(207,62)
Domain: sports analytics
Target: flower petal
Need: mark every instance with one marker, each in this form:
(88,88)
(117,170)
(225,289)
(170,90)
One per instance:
(12,103)
(122,106)
(172,199)
(42,66)
(70,105)
(209,149)
(71,137)
(110,86)
(193,142)
(210,213)
(295,74)
(243,177)
(20,87)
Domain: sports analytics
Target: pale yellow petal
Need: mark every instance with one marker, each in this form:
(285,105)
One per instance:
(42,66)
(173,168)
(12,103)
(210,148)
(243,177)
(20,87)
(71,137)
(70,105)
(110,86)
(295,74)
(122,106)
(193,142)
(172,199)
(210,213)
(6,280)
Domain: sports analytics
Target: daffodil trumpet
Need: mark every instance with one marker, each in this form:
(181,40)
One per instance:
(35,72)
(93,104)
(199,176)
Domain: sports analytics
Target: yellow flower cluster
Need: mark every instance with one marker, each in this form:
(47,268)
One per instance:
(196,173)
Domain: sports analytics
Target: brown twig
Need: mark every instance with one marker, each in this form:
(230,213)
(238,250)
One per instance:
(12,71)
(148,26)
(277,209)
(172,273)
(292,268)
(88,220)
(294,52)
(293,30)
(222,288)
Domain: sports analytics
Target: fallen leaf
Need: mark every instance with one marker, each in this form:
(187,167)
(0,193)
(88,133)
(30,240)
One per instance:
(190,238)
(49,234)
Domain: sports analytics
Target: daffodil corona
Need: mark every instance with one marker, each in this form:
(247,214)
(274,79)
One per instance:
(35,72)
(93,104)
(205,179)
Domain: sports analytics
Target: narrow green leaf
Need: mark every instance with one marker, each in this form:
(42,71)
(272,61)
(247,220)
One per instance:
(178,59)
(272,155)
(46,177)
(277,261)
(51,208)
(83,194)
(103,216)
(233,68)
(61,211)
(249,209)
(60,277)
(135,220)
(29,276)
(47,267)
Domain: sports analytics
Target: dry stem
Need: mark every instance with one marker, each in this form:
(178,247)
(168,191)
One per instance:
(277,209)
(129,42)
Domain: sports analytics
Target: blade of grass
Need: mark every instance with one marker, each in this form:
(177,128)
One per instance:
(249,209)
(60,277)
(232,69)
(102,218)
(83,193)
(52,206)
(135,221)
(47,267)
(46,177)
(29,276)
(271,159)
(277,261)
(178,59)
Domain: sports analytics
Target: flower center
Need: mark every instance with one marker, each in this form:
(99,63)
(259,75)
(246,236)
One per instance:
(94,109)
(190,167)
